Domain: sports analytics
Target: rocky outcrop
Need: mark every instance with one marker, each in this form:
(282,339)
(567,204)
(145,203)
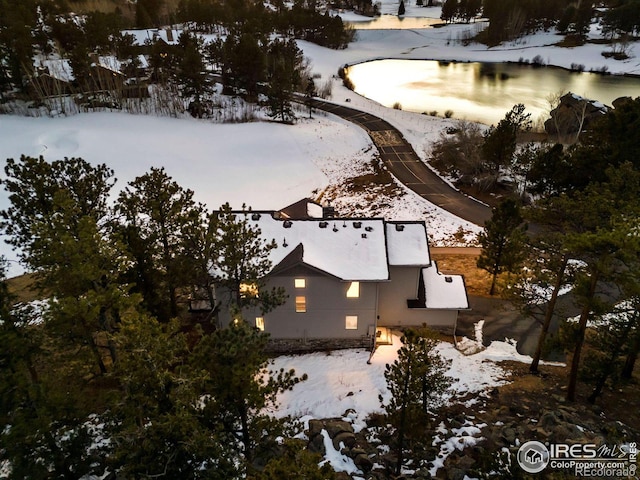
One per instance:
(344,439)
(573,114)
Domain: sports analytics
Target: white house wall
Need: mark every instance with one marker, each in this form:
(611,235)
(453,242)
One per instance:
(393,296)
(326,309)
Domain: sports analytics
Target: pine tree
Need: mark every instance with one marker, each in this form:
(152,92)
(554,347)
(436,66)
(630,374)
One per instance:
(500,142)
(449,10)
(309,94)
(42,399)
(32,183)
(502,241)
(284,65)
(156,426)
(242,262)
(417,382)
(239,386)
(608,214)
(293,462)
(154,209)
(58,215)
(190,72)
(401,8)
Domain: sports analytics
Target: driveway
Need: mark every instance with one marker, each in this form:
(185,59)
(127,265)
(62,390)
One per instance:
(403,162)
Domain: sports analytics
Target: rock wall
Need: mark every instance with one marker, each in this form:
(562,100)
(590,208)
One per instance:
(300,345)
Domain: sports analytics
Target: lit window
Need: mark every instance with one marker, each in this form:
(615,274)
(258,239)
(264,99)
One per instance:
(351,322)
(301,304)
(354,290)
(300,283)
(248,290)
(260,323)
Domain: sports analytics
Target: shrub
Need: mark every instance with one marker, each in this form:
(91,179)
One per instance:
(448,114)
(325,89)
(577,67)
(538,61)
(433,113)
(397,106)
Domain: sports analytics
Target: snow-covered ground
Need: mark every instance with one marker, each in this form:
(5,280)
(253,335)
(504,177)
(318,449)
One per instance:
(342,384)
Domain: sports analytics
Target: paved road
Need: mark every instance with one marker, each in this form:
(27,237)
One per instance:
(403,162)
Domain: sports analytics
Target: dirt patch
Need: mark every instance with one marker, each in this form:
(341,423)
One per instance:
(478,281)
(547,390)
(377,182)
(23,288)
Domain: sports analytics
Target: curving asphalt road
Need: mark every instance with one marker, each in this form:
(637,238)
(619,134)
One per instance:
(403,162)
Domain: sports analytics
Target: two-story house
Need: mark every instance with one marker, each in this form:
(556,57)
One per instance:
(349,280)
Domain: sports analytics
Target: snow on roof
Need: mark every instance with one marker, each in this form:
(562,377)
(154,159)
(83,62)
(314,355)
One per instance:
(444,291)
(314,210)
(350,249)
(169,36)
(407,243)
(142,60)
(110,62)
(59,68)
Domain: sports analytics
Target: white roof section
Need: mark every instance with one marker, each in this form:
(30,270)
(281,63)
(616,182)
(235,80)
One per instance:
(407,244)
(350,249)
(59,68)
(314,210)
(168,35)
(110,62)
(142,60)
(444,291)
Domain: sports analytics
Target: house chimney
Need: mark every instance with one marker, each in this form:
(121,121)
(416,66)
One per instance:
(328,212)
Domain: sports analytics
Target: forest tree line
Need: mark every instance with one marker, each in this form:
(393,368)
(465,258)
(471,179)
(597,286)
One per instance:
(245,58)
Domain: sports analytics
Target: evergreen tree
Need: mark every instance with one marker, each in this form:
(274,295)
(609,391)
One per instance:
(244,65)
(293,462)
(548,269)
(309,94)
(154,209)
(449,10)
(500,142)
(190,72)
(502,241)
(605,357)
(238,385)
(57,215)
(42,399)
(156,426)
(401,9)
(242,262)
(417,382)
(284,62)
(606,240)
(32,184)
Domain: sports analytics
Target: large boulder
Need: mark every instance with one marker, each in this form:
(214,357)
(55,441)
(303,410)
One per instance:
(574,114)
